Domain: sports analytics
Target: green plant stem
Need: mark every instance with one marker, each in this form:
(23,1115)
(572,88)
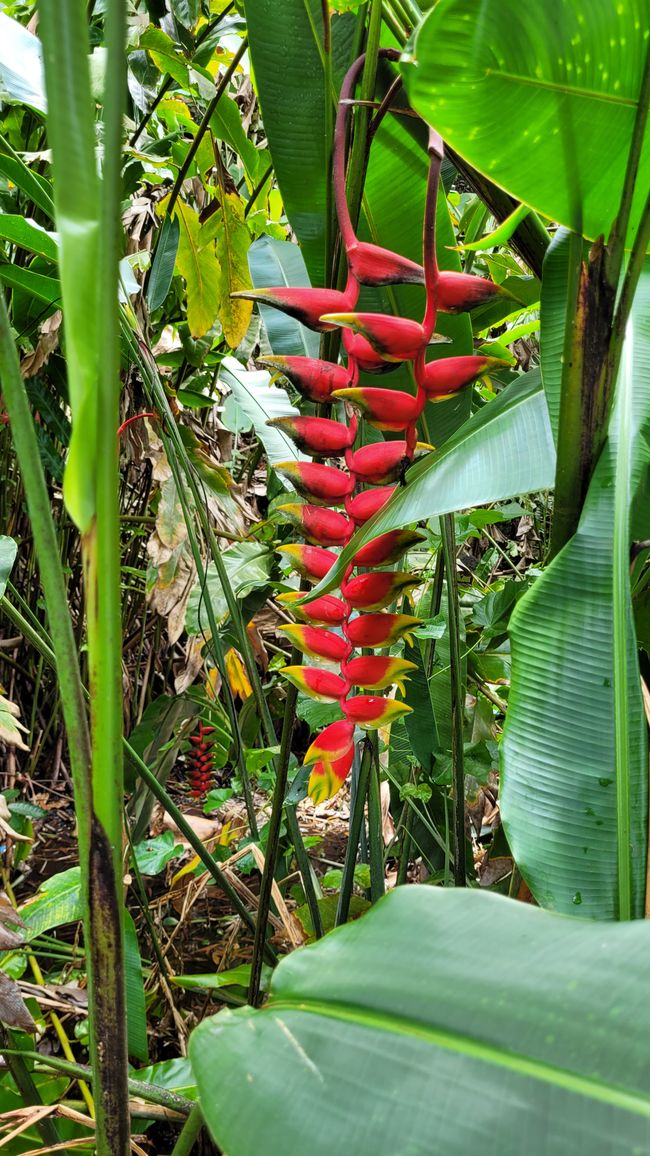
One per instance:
(156,788)
(202,129)
(457,700)
(310,884)
(393,24)
(330,230)
(272,842)
(407,827)
(189,1133)
(257,190)
(15,1061)
(149,1092)
(375,830)
(356,819)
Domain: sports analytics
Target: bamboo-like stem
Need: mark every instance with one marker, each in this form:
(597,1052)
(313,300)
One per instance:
(407,827)
(356,819)
(149,1092)
(375,829)
(189,1133)
(457,701)
(310,884)
(221,87)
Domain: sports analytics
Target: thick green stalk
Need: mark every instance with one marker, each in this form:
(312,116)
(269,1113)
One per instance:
(375,829)
(356,819)
(189,1133)
(407,826)
(457,701)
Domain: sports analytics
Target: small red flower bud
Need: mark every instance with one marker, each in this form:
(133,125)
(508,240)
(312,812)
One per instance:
(387,548)
(441,378)
(306,305)
(325,611)
(393,338)
(365,505)
(372,265)
(323,485)
(321,527)
(321,685)
(373,630)
(317,642)
(371,711)
(379,463)
(317,435)
(311,561)
(385,409)
(373,591)
(316,379)
(458,292)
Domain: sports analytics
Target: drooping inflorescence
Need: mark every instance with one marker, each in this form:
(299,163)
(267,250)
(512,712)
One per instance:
(338,500)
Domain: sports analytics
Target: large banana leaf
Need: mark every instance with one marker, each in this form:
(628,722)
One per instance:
(441,1022)
(541,98)
(272,262)
(574,753)
(503,450)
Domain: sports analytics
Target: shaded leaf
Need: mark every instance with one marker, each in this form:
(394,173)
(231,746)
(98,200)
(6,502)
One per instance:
(260,402)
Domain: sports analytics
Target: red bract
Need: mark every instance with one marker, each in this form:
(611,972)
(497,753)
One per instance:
(321,527)
(371,711)
(317,642)
(306,305)
(372,265)
(458,292)
(385,409)
(316,379)
(311,561)
(440,378)
(387,548)
(321,685)
(331,755)
(375,672)
(374,591)
(373,630)
(361,353)
(317,435)
(365,505)
(327,611)
(393,338)
(380,463)
(323,485)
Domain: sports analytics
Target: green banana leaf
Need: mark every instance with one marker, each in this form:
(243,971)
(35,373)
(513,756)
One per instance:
(8,551)
(440,1022)
(272,262)
(574,752)
(540,98)
(503,450)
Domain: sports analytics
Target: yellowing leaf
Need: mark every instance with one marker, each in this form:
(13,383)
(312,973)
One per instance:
(161,50)
(232,237)
(199,267)
(236,674)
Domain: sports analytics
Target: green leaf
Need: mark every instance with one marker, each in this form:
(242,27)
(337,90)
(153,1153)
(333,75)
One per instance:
(46,289)
(383,1058)
(32,184)
(272,263)
(226,125)
(564,77)
(57,902)
(175,1075)
(197,263)
(232,242)
(260,402)
(574,753)
(555,317)
(164,55)
(21,66)
(233,977)
(135,1001)
(153,855)
(28,235)
(8,551)
(504,449)
(162,269)
(248,565)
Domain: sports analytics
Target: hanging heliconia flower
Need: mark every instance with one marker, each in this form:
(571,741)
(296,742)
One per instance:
(200,761)
(339,500)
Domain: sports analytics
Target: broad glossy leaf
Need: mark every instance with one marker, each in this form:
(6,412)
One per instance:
(32,184)
(554,319)
(21,65)
(503,450)
(164,260)
(135,1000)
(198,265)
(164,55)
(261,402)
(57,902)
(226,124)
(536,96)
(46,289)
(248,565)
(28,235)
(271,263)
(8,551)
(561,771)
(232,242)
(358,1052)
